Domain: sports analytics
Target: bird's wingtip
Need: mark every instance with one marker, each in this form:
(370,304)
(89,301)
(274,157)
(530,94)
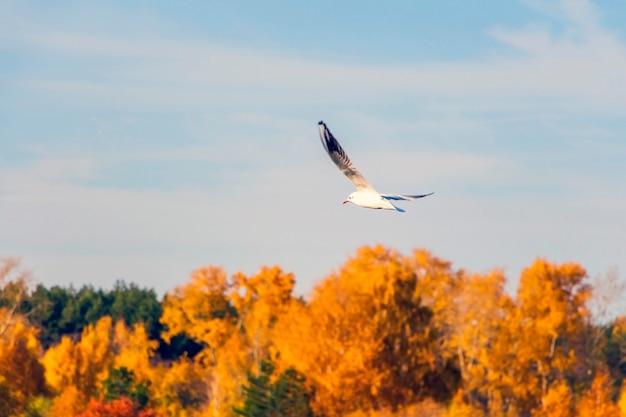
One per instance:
(397,208)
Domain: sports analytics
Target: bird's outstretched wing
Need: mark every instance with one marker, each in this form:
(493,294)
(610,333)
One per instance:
(340,158)
(406,197)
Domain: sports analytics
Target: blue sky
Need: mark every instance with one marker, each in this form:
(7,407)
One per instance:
(142,140)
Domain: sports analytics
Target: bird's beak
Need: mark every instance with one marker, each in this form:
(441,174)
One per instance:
(345,201)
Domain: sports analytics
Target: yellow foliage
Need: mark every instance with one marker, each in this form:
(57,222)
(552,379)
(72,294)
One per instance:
(200,309)
(234,320)
(133,350)
(80,366)
(61,368)
(260,300)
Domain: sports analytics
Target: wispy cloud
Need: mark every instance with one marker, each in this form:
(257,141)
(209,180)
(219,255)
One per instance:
(582,61)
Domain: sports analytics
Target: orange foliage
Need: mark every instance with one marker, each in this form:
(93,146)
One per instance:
(122,407)
(596,401)
(365,340)
(68,402)
(621,403)
(20,371)
(385,335)
(558,402)
(541,339)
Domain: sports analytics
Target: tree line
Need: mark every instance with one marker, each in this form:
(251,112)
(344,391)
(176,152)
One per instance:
(387,334)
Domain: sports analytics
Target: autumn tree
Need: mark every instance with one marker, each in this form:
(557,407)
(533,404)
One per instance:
(233,320)
(201,310)
(542,343)
(385,335)
(133,349)
(366,340)
(21,373)
(597,401)
(77,370)
(476,321)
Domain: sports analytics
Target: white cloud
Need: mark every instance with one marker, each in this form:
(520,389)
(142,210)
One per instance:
(582,66)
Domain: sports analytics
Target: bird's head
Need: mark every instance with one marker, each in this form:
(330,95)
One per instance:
(349,199)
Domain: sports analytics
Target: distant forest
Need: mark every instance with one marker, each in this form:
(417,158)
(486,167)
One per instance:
(387,335)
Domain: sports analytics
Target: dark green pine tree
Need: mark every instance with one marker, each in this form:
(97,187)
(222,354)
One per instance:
(121,383)
(287,396)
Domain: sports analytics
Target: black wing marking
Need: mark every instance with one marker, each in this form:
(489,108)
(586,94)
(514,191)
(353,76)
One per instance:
(341,159)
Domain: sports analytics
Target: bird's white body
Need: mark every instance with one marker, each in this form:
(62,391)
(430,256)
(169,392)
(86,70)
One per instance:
(365,195)
(369,199)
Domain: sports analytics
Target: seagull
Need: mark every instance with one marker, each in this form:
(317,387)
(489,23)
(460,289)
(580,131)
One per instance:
(365,195)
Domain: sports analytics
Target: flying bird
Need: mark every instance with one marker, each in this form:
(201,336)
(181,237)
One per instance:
(365,195)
